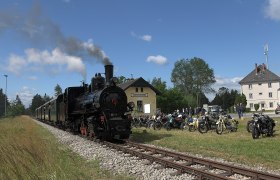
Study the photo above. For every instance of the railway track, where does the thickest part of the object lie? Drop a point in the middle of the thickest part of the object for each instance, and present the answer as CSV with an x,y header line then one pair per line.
x,y
199,167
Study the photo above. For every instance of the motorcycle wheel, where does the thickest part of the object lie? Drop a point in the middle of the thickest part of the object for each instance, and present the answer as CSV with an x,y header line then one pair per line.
x,y
167,126
151,124
191,128
250,126
219,128
270,130
202,128
157,126
255,133
183,126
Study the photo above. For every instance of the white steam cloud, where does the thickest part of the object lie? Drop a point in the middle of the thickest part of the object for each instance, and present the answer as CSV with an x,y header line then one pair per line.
x,y
36,59
33,27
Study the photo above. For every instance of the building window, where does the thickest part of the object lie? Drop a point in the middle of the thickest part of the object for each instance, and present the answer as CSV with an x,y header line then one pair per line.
x,y
250,86
260,93
260,84
262,105
136,90
269,84
141,89
271,104
270,94
140,106
250,96
251,105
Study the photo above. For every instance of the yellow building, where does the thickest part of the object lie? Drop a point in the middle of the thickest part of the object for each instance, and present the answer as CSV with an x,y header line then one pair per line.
x,y
143,94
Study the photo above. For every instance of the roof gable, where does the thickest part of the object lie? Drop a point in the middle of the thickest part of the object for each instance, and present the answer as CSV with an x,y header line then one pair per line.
x,y
259,75
139,82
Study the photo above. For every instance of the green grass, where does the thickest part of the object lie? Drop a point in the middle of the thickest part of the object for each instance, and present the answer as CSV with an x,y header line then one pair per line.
x,y
234,146
28,151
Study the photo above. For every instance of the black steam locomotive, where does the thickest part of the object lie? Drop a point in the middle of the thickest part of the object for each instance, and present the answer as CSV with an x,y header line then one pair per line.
x,y
99,110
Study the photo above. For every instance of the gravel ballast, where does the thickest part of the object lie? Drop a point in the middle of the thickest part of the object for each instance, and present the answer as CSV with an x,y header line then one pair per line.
x,y
120,163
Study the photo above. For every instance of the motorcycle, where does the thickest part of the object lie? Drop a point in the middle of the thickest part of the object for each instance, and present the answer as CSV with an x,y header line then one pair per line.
x,y
192,123
226,122
263,125
250,123
207,123
173,122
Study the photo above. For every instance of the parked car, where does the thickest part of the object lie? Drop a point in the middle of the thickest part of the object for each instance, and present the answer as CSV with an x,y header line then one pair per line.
x,y
277,110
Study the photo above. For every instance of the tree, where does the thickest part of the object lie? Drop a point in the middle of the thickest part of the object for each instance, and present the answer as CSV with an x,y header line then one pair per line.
x,y
241,98
256,106
36,102
121,79
225,98
57,90
193,77
16,108
3,98
46,98
159,84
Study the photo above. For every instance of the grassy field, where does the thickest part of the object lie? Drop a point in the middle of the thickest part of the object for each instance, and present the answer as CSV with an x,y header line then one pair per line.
x,y
28,151
233,146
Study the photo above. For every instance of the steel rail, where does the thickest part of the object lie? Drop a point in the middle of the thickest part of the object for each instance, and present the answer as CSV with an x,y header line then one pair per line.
x,y
230,169
181,168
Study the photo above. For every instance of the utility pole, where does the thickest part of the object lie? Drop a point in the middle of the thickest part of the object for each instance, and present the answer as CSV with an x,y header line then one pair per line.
x,y
6,98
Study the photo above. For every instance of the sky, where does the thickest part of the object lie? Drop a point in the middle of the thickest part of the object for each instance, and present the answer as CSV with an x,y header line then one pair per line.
x,y
49,42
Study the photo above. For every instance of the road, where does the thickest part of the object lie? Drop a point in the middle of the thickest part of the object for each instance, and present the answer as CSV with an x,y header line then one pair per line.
x,y
247,115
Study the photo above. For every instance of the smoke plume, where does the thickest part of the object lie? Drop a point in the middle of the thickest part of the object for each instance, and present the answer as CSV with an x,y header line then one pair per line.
x,y
41,31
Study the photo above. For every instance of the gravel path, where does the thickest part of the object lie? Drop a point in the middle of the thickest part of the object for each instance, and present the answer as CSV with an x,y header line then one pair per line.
x,y
120,163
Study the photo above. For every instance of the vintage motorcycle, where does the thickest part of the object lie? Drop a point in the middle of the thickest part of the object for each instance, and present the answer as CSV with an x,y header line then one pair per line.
x,y
226,122
173,122
250,123
208,122
263,125
191,123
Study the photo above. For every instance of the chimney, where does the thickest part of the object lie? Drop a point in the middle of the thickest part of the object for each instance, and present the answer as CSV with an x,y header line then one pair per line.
x,y
109,72
256,68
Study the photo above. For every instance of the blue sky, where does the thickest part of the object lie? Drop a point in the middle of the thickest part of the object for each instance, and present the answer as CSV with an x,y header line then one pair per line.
x,y
44,43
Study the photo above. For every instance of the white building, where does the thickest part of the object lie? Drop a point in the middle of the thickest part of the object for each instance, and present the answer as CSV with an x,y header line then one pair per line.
x,y
262,87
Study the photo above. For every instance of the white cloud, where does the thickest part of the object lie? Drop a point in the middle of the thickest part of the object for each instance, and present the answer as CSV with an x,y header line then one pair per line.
x,y
161,60
230,83
26,94
54,60
16,64
272,9
145,37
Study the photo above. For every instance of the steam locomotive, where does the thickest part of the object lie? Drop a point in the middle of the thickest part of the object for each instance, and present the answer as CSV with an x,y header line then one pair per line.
x,y
99,110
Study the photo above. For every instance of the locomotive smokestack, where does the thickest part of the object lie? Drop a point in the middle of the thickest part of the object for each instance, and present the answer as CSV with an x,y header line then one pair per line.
x,y
109,72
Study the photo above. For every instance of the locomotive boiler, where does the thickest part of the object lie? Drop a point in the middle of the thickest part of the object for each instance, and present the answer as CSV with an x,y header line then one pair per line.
x,y
99,110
